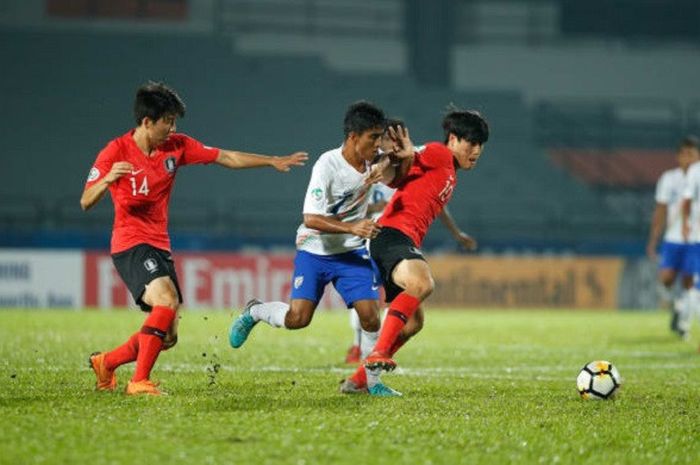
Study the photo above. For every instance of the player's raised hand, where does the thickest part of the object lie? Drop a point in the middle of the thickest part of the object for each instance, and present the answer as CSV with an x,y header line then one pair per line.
x,y
118,170
403,146
466,241
284,164
367,229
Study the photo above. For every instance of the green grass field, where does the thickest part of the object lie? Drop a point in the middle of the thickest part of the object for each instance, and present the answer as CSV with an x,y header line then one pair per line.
x,y
479,387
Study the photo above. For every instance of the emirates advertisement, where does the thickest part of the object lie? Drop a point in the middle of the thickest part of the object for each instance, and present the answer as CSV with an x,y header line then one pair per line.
x,y
207,280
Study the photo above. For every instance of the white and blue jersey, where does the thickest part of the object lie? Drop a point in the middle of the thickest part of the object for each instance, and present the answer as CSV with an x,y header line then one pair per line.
x,y
338,190
691,191
379,193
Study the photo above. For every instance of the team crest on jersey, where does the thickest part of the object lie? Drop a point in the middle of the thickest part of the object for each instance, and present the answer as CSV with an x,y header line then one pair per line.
x,y
298,281
151,265
316,194
170,165
94,174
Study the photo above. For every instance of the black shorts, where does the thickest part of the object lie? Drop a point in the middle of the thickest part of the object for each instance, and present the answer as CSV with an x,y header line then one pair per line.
x,y
390,247
140,265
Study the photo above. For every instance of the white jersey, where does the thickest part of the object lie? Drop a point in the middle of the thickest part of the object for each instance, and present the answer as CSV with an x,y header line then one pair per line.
x,y
691,190
335,189
377,194
669,191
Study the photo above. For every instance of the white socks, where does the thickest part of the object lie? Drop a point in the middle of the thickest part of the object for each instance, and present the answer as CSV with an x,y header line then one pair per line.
x,y
272,313
368,341
355,325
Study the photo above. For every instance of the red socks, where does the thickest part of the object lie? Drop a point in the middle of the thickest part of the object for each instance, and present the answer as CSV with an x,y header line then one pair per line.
x,y
400,310
390,340
360,375
150,340
125,353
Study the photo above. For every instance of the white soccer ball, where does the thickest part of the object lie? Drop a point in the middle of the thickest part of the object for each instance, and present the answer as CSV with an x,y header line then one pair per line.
x,y
598,380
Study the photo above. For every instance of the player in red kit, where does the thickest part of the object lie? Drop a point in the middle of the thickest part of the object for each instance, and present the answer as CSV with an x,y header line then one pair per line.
x,y
139,169
425,182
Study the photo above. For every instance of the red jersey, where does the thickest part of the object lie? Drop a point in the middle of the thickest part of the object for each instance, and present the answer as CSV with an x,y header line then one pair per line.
x,y
423,193
141,198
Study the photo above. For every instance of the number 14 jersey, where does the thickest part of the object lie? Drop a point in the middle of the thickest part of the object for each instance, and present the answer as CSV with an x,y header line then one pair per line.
x,y
141,197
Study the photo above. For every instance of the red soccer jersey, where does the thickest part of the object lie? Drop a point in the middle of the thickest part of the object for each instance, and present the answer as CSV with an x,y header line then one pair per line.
x,y
141,198
423,193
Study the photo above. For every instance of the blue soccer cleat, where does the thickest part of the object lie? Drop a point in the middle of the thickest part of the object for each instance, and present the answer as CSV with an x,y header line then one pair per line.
x,y
380,390
242,326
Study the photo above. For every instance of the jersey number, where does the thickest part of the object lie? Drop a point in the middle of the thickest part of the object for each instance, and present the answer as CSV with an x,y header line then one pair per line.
x,y
141,190
447,190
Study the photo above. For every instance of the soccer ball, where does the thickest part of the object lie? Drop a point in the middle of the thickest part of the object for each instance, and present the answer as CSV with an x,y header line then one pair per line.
x,y
598,380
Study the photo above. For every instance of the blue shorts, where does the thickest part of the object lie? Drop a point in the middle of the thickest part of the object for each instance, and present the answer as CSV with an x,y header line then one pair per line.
x,y
694,262
352,274
678,257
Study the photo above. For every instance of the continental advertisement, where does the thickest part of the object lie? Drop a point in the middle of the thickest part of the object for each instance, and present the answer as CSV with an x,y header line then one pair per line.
x,y
519,282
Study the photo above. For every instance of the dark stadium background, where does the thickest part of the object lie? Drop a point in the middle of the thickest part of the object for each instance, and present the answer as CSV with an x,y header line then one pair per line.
x,y
586,101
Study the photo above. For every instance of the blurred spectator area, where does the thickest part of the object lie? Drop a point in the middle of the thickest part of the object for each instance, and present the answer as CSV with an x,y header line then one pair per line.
x,y
623,144
122,9
583,120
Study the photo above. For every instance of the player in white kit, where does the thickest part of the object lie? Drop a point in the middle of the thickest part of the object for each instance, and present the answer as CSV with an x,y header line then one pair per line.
x,y
331,241
675,257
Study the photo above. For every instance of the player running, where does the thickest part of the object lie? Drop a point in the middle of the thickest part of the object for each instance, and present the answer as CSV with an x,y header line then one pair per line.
x,y
379,197
139,169
425,182
675,255
330,241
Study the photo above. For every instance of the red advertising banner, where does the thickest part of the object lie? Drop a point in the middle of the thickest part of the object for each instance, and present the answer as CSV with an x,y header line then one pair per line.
x,y
207,280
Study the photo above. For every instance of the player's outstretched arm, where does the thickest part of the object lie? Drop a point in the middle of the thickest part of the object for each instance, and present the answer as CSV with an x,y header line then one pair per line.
x,y
239,160
686,206
94,193
366,228
464,239
658,223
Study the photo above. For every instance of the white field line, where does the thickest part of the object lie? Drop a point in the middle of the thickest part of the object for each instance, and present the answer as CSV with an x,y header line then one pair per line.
x,y
517,373
523,372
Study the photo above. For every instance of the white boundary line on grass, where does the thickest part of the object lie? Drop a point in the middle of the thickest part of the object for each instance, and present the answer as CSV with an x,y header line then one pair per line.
x,y
542,373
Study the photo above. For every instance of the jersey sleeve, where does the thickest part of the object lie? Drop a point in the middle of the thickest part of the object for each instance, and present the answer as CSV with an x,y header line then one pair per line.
x,y
103,164
663,191
318,195
196,153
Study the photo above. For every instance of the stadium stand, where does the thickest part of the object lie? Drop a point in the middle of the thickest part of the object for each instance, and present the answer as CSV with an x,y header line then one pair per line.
x,y
277,104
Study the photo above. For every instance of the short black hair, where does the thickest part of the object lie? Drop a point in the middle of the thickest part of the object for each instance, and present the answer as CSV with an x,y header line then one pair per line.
x,y
155,100
690,141
362,116
394,123
465,124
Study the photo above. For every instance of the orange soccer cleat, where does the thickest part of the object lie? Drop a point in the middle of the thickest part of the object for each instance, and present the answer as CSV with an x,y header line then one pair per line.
x,y
106,379
145,386
380,360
